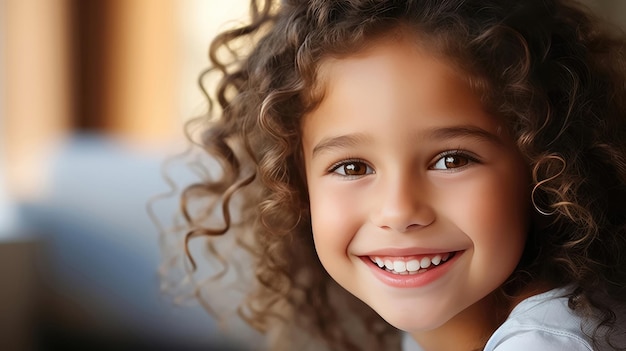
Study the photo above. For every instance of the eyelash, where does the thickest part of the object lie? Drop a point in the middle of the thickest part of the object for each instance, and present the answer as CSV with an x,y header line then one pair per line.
x,y
333,169
471,158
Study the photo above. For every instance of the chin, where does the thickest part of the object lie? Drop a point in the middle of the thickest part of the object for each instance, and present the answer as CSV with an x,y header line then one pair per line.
x,y
409,321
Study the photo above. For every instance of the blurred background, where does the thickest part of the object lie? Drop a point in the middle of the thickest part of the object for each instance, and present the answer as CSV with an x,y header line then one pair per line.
x,y
93,96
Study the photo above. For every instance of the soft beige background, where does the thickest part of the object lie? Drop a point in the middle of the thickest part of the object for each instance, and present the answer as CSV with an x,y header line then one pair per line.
x,y
155,50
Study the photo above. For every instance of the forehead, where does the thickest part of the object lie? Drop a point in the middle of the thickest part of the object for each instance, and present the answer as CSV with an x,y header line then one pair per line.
x,y
399,59
393,80
399,46
403,54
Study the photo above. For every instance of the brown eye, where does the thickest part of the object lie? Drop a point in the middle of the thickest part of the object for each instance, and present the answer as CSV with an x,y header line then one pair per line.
x,y
353,169
452,161
455,161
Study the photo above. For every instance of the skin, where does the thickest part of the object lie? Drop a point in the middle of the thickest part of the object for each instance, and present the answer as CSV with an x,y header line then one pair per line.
x,y
401,156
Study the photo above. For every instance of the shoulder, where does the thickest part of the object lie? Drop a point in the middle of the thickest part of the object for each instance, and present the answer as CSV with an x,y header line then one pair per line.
x,y
543,322
538,339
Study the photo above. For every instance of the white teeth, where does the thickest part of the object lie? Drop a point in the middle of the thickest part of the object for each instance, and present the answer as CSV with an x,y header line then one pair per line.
x,y
425,262
399,266
436,260
413,265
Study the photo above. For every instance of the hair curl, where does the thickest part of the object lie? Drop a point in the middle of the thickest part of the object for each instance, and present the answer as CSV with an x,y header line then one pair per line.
x,y
547,67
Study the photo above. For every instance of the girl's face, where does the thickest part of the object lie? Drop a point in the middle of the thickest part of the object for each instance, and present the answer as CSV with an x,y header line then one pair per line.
x,y
406,170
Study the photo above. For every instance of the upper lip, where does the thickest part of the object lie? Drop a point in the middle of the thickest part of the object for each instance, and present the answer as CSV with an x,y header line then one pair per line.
x,y
409,251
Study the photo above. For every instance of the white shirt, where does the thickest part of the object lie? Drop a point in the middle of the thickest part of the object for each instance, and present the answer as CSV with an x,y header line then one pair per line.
x,y
543,322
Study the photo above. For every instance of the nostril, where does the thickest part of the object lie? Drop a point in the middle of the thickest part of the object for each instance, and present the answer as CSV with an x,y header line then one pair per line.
x,y
401,229
412,226
402,216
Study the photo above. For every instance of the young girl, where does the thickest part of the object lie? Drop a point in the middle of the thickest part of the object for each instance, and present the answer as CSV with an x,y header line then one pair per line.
x,y
454,169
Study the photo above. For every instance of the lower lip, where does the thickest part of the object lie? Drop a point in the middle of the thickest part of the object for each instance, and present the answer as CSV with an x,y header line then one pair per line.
x,y
411,280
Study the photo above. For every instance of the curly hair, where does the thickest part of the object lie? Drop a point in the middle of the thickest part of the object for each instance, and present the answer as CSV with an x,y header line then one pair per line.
x,y
548,68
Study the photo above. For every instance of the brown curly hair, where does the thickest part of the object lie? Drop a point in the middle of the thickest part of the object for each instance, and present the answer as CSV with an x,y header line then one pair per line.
x,y
549,68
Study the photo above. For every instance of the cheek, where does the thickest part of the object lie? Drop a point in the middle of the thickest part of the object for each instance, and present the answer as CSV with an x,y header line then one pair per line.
x,y
498,218
490,206
334,221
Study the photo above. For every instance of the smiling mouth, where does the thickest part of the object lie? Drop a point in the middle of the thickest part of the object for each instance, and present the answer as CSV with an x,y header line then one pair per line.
x,y
411,264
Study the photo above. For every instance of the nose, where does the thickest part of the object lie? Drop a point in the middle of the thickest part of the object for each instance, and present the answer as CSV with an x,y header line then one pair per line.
x,y
403,205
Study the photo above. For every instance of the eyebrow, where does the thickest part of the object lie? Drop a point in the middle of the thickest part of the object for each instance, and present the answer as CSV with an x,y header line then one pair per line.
x,y
463,132
351,140
340,142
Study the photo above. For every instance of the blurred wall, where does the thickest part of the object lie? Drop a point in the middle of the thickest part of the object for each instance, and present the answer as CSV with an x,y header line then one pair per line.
x,y
36,85
612,10
113,70
120,67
